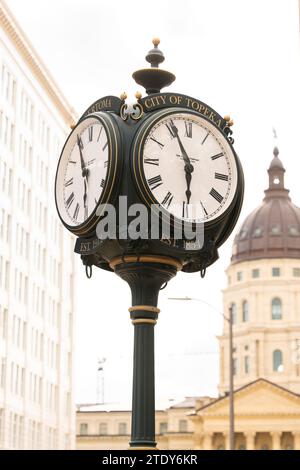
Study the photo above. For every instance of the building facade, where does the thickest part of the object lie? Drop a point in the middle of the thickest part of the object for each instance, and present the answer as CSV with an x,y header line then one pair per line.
x,y
264,294
36,262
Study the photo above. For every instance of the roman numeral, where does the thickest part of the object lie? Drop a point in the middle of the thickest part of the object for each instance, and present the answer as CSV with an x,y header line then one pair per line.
x,y
216,195
188,129
102,183
79,142
218,155
72,161
151,161
159,143
76,212
167,199
99,133
90,133
155,182
172,129
220,176
105,145
105,163
205,138
184,210
70,200
69,182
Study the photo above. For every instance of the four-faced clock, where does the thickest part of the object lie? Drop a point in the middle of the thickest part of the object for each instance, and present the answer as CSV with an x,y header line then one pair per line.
x,y
86,173
184,163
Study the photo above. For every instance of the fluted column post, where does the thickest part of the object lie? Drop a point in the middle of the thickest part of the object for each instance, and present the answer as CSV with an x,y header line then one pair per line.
x,y
145,276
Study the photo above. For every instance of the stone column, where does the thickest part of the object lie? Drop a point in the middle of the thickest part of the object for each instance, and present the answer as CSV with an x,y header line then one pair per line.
x,y
296,440
227,441
250,440
207,441
276,444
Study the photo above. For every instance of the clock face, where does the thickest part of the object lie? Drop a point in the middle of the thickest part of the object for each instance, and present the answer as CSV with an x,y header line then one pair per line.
x,y
188,167
82,172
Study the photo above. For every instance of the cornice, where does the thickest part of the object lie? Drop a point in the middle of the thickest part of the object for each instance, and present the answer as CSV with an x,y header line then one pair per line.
x,y
35,64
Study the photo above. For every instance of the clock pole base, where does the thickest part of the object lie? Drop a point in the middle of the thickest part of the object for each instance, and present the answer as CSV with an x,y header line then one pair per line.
x,y
145,275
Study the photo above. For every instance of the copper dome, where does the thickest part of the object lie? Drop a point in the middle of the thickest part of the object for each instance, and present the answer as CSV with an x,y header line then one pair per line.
x,y
273,229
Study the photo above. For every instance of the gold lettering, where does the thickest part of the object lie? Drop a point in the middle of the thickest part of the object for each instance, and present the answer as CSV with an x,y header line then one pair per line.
x,y
147,104
195,105
163,98
85,246
173,99
212,116
188,102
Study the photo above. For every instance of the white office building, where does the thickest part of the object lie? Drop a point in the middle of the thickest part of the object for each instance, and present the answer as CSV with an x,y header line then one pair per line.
x,y
36,253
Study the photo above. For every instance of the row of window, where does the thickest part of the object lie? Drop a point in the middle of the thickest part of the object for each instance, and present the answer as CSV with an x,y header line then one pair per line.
x,y
276,310
9,89
275,271
277,363
124,430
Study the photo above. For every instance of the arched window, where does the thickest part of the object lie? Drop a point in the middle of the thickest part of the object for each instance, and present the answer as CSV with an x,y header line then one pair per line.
x,y
276,309
277,360
233,312
245,311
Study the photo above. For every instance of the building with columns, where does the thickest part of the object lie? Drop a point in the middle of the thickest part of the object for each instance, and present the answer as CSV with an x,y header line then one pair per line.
x,y
264,293
37,408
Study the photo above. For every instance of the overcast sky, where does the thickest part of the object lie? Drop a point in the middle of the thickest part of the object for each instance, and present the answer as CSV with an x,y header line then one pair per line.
x,y
241,58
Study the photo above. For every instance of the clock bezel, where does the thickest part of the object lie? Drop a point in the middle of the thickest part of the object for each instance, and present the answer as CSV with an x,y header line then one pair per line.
x,y
113,169
138,167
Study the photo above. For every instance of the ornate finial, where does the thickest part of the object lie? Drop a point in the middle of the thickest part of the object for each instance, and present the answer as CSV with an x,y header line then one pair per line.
x,y
155,55
154,79
138,95
123,96
227,118
274,133
275,152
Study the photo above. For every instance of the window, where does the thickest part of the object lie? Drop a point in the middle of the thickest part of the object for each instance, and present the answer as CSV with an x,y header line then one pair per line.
x,y
235,366
255,273
257,232
277,360
296,272
247,364
275,272
245,311
103,429
122,429
239,276
83,429
182,425
276,309
233,313
163,428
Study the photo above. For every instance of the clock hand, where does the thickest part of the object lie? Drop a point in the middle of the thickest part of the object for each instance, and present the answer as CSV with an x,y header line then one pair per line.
x,y
188,177
85,199
79,143
182,149
188,167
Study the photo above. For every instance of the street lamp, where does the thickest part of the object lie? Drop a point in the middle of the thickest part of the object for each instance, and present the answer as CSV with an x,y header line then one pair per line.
x,y
229,319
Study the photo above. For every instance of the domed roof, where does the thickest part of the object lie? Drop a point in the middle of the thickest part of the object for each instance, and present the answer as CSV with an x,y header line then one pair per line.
x,y
273,229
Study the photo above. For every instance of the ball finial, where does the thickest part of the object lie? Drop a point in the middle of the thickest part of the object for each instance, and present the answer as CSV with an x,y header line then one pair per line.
x,y
138,95
155,42
227,117
123,95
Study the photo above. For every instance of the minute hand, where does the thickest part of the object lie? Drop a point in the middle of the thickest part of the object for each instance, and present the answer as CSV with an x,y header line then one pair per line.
x,y
184,154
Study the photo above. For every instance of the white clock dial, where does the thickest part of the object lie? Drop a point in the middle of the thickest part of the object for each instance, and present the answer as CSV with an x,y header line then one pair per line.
x,y
82,172
189,167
